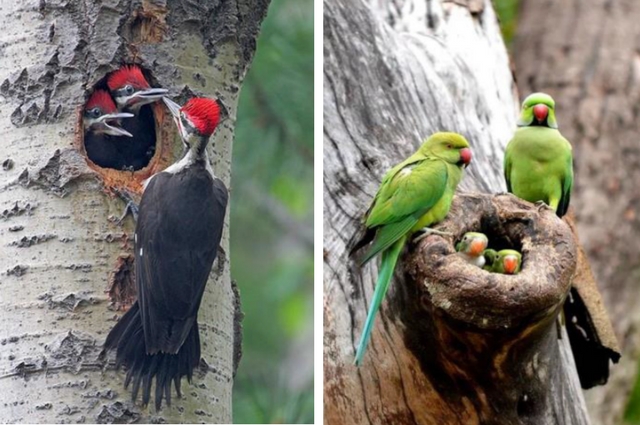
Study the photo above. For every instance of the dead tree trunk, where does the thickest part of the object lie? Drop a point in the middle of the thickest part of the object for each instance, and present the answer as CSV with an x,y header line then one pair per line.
x,y
450,345
585,54
65,267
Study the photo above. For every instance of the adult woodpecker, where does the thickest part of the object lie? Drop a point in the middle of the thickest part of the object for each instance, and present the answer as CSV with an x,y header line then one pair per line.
x,y
100,120
133,93
178,233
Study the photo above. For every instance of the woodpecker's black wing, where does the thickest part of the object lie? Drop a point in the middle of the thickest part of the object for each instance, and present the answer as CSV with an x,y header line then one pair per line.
x,y
177,237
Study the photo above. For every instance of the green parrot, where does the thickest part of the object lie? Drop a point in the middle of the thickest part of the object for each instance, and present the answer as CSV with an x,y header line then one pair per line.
x,y
490,257
471,248
413,195
538,162
507,261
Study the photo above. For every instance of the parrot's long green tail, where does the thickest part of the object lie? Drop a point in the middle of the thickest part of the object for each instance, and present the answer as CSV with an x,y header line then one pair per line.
x,y
387,265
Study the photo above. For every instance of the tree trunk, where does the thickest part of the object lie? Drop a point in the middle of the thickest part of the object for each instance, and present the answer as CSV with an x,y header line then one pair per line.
x,y
66,268
395,72
585,55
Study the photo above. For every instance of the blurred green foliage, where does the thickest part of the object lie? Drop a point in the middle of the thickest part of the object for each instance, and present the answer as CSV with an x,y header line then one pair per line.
x,y
272,221
632,413
507,11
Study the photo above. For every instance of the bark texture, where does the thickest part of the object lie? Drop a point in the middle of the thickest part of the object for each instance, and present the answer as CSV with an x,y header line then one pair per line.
x,y
65,267
585,55
394,73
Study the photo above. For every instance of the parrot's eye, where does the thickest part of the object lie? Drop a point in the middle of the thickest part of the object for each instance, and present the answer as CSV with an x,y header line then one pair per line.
x,y
449,146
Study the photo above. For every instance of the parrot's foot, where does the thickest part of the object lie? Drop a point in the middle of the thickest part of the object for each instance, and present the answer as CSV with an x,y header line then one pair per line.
x,y
541,205
426,231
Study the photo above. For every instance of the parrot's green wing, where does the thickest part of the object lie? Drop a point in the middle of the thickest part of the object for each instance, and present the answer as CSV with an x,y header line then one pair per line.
x,y
412,191
403,199
567,184
367,233
388,177
507,168
387,235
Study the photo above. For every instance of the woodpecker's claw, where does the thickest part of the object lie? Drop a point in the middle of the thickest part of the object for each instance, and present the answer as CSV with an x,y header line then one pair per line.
x,y
426,231
131,207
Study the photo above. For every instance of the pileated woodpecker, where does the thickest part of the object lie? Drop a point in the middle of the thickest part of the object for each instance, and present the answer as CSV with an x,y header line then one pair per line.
x,y
100,120
178,233
132,93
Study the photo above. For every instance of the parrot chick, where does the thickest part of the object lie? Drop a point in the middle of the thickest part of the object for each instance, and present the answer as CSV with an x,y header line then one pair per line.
x,y
490,257
471,248
507,261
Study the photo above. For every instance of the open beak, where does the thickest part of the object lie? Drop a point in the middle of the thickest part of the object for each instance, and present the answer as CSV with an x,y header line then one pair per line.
x,y
103,124
144,97
510,264
174,108
477,247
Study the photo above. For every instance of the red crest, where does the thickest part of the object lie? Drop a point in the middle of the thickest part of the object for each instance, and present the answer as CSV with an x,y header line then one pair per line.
x,y
101,99
128,74
204,114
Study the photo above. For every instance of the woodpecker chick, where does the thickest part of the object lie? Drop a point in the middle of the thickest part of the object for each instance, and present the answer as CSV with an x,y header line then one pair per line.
x,y
133,93
101,116
101,127
178,232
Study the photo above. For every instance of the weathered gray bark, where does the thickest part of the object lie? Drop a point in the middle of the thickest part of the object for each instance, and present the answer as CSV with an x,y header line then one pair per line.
x,y
59,249
395,72
585,54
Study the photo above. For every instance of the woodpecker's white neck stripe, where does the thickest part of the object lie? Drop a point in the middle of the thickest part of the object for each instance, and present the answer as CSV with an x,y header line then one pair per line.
x,y
187,160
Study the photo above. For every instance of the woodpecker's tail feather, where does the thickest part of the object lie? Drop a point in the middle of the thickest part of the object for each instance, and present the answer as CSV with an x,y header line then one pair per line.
x,y
127,337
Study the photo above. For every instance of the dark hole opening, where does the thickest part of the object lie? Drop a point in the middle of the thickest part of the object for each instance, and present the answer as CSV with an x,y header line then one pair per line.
x,y
119,121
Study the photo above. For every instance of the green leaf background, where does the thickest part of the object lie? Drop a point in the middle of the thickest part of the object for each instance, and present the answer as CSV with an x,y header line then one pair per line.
x,y
272,221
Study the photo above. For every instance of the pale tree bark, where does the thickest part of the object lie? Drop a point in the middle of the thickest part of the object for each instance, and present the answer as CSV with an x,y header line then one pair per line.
x,y
395,72
60,251
585,55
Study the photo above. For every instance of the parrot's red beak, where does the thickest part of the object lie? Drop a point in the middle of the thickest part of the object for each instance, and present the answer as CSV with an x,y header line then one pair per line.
x,y
540,111
477,247
510,264
465,156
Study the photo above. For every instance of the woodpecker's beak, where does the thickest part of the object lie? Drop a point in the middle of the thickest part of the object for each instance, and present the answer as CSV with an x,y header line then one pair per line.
x,y
144,97
102,124
174,108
